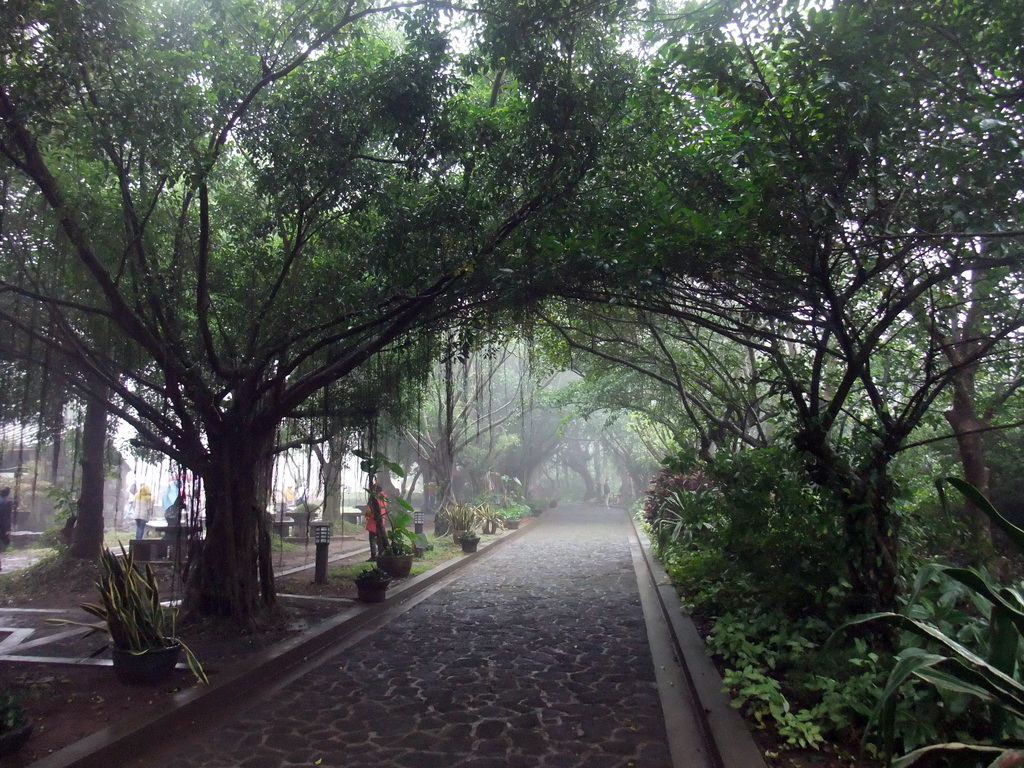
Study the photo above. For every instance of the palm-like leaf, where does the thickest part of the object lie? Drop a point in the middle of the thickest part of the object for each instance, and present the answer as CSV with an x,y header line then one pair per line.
x,y
955,667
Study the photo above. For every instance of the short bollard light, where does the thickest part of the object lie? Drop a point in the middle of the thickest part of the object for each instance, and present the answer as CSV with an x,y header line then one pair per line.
x,y
322,539
321,533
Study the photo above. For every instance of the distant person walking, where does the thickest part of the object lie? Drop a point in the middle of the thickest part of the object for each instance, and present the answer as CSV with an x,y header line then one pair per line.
x,y
607,492
6,519
143,503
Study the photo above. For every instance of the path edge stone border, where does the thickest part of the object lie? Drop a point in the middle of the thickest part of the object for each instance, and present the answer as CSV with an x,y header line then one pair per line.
x,y
726,732
136,736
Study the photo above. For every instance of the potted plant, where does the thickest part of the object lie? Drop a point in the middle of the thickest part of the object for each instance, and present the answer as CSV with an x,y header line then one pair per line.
x,y
537,506
469,541
372,584
15,726
512,516
489,518
393,539
397,557
462,517
144,644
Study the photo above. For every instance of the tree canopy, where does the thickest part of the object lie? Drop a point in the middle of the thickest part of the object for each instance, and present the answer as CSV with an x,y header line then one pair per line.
x,y
224,214
225,208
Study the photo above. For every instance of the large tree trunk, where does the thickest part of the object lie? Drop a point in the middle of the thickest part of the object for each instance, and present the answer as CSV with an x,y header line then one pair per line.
x,y
87,534
870,527
232,574
968,427
870,523
963,348
634,479
579,462
331,467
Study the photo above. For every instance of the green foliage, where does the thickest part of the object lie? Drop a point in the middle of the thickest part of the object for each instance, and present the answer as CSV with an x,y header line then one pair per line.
x,y
371,464
397,539
63,499
460,515
779,671
764,700
963,653
400,541
372,575
750,523
261,204
489,517
515,512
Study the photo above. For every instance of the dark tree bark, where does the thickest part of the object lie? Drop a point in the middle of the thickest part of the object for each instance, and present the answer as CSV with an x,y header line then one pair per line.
x,y
870,523
579,462
87,533
232,574
332,467
969,427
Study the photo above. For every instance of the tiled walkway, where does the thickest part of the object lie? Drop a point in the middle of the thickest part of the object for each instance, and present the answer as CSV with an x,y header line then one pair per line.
x,y
536,655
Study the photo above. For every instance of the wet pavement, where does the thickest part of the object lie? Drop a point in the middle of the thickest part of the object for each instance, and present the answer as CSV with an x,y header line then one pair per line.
x,y
536,654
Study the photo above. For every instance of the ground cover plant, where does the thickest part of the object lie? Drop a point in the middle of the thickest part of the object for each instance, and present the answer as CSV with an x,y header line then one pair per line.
x,y
771,618
966,645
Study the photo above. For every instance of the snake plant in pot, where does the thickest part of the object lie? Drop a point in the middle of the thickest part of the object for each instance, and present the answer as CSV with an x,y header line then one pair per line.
x,y
461,517
144,642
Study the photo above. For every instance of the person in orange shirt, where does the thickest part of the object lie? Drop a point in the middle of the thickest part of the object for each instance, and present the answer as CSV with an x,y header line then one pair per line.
x,y
376,508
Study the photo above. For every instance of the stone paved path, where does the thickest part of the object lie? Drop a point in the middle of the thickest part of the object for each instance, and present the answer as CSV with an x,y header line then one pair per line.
x,y
534,656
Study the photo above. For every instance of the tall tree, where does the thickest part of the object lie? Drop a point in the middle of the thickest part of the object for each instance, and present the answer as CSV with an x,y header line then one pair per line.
x,y
260,198
465,404
817,175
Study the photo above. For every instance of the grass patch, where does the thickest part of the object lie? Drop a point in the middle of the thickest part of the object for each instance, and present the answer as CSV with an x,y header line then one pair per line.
x,y
444,550
54,573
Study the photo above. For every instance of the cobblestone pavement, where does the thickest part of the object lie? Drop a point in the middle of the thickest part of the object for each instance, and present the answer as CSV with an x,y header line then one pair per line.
x,y
534,656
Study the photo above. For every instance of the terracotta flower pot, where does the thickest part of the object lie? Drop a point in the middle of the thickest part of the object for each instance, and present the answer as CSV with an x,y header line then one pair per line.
x,y
372,591
397,566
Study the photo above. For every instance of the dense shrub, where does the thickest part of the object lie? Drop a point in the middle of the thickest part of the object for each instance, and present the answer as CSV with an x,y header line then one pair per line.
x,y
783,662
746,528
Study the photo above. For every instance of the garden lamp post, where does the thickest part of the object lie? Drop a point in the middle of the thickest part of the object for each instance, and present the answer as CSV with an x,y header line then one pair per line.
x,y
322,539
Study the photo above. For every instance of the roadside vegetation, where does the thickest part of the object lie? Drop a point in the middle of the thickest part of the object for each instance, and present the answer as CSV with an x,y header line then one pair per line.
x,y
755,554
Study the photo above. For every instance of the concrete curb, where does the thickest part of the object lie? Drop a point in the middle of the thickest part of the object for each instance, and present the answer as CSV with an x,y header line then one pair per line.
x,y
724,730
137,736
